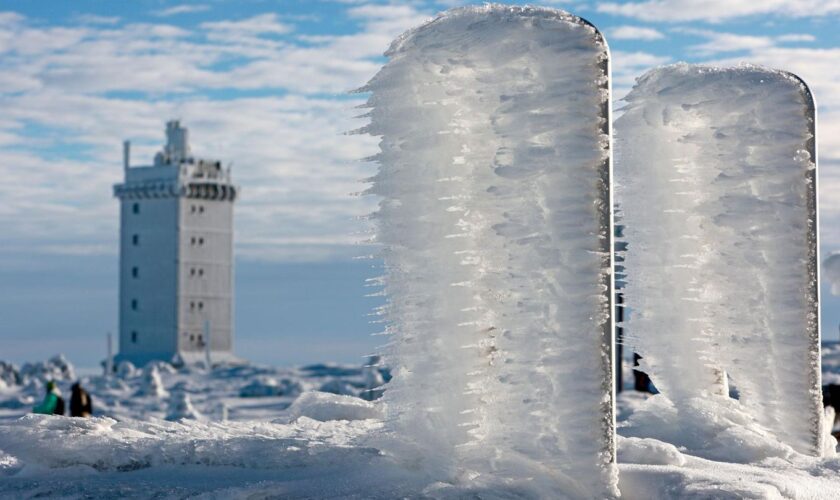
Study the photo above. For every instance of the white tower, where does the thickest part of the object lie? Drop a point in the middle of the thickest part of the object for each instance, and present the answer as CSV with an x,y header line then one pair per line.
x,y
176,256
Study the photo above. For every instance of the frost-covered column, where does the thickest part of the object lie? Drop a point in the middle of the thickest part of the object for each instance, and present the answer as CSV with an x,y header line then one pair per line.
x,y
496,227
717,180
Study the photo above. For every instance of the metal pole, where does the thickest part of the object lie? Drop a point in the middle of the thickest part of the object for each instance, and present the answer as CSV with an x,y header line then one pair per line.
x,y
207,344
619,342
109,361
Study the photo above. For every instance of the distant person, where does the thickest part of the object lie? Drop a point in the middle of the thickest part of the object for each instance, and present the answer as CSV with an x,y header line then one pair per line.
x,y
53,403
80,402
641,381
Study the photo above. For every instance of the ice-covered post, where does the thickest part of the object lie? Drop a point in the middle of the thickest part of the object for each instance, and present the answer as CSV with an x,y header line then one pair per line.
x,y
717,182
496,225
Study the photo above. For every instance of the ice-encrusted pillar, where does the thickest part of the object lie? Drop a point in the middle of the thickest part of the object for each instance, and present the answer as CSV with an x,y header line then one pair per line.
x,y
717,181
495,219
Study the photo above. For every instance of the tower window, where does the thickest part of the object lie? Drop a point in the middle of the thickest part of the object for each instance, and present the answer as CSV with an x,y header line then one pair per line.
x,y
135,272
133,304
135,239
192,271
200,306
201,209
135,208
192,240
192,306
134,337
201,241
201,272
192,208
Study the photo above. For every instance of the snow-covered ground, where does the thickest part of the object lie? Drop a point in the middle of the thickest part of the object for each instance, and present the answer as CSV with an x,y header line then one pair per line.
x,y
159,391
284,438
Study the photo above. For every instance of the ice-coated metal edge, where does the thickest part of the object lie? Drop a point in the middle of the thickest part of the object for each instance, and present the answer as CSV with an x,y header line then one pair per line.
x,y
813,322
607,221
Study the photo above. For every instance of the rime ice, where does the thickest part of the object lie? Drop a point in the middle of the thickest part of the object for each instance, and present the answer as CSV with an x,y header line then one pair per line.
x,y
716,183
495,219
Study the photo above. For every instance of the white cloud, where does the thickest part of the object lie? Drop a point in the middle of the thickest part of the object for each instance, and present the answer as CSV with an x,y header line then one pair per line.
x,y
10,18
718,10
796,37
719,42
263,24
181,9
290,155
726,42
60,132
94,19
635,33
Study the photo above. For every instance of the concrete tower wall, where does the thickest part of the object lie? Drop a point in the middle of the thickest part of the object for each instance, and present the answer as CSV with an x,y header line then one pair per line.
x,y
176,256
148,278
206,274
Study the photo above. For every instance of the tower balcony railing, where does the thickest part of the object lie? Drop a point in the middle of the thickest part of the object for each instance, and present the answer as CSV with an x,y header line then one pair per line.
x,y
204,189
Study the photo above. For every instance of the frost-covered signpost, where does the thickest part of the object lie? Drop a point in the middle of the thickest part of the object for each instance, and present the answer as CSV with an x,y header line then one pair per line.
x,y
718,189
496,226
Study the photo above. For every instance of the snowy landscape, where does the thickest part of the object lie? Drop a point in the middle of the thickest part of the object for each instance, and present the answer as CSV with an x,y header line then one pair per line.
x,y
285,437
533,238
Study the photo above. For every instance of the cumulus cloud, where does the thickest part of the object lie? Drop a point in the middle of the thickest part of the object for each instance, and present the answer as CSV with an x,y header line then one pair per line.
x,y
721,42
94,19
796,37
257,25
71,94
717,10
635,33
181,9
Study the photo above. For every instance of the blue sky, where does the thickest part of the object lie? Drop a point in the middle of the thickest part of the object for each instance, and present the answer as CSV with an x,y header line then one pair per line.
x,y
264,85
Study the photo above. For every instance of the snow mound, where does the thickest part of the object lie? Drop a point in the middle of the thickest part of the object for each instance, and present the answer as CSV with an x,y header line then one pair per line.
x,y
323,406
648,451
161,366
152,383
51,456
340,387
126,370
56,368
715,428
105,444
9,374
181,408
270,386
